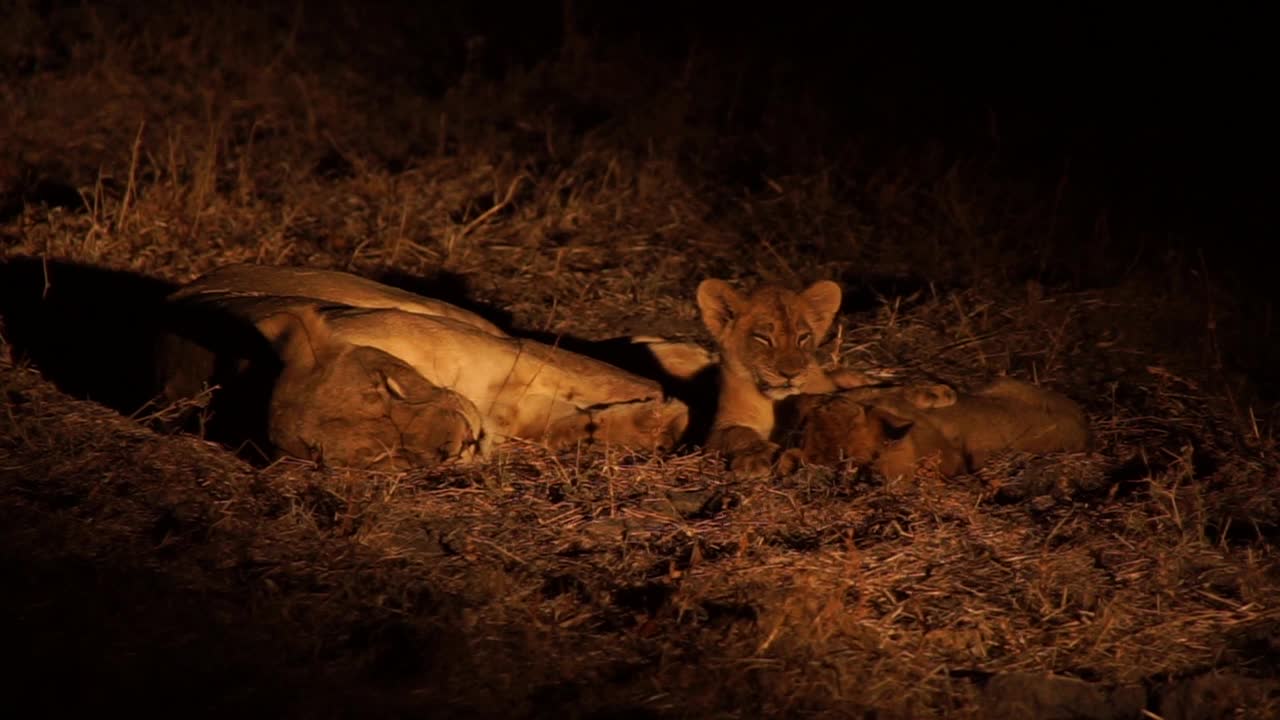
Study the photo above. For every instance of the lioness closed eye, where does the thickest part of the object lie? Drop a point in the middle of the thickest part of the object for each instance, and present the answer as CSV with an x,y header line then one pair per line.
x,y
767,341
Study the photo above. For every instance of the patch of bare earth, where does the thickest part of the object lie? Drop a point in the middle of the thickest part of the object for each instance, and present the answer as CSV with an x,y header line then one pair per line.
x,y
148,569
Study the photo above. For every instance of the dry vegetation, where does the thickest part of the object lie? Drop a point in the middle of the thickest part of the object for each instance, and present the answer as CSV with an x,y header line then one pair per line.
x,y
149,569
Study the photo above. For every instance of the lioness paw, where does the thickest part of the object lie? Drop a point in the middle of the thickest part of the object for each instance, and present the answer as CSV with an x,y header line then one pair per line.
x,y
654,426
438,431
450,437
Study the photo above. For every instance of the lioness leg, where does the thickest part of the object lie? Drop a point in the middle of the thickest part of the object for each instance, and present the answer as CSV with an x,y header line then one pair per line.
x,y
655,424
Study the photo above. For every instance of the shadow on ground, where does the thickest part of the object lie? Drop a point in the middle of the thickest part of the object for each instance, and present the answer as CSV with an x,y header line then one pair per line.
x,y
88,329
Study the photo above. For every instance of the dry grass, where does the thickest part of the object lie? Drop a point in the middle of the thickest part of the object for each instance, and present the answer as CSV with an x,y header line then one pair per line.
x,y
154,568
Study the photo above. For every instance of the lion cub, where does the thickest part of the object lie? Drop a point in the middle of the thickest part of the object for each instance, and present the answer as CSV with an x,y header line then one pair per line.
x,y
766,342
893,429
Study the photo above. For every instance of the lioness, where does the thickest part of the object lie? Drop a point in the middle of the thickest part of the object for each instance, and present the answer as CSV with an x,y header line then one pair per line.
x,y
389,379
892,429
766,342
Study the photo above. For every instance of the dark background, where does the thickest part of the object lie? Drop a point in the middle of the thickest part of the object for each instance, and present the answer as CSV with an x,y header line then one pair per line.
x,y
1160,118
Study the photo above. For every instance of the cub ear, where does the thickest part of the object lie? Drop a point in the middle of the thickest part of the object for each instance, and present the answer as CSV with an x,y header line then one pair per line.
x,y
719,304
895,427
823,297
296,335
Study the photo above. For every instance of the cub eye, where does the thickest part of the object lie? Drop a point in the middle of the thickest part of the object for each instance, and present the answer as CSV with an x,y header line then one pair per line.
x,y
803,338
762,339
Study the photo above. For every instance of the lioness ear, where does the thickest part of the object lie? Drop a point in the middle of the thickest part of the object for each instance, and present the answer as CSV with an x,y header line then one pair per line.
x,y
823,297
296,335
895,427
719,304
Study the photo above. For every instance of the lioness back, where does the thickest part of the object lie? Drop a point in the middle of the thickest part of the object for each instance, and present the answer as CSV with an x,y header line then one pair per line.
x,y
325,285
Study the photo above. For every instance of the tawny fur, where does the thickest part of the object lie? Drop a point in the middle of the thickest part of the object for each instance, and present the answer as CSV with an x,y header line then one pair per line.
x,y
358,406
331,286
766,342
472,383
893,429
841,428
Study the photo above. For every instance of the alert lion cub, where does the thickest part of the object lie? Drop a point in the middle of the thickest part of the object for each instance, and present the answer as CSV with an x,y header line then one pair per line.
x,y
370,376
766,341
893,429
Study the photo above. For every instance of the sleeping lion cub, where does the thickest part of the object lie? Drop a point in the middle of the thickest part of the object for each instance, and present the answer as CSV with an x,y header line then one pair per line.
x,y
366,375
893,429
766,342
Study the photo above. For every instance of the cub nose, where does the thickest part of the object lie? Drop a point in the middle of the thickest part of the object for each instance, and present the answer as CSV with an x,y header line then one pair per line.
x,y
791,368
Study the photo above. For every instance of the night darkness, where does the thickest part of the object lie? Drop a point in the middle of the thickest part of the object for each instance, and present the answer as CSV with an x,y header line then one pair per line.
x,y
1077,198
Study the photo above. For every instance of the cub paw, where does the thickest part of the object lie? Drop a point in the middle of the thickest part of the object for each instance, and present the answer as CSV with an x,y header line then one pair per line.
x,y
754,461
790,461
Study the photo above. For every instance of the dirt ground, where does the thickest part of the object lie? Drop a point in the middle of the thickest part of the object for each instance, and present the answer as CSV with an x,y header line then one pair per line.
x,y
148,569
